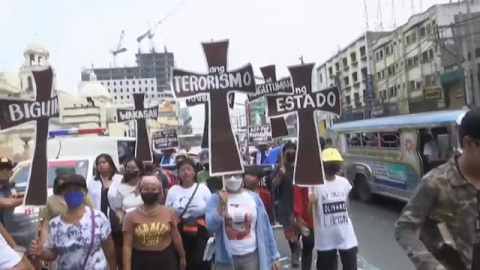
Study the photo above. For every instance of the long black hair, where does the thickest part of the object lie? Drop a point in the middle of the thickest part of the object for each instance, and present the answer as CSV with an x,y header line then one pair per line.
x,y
141,168
110,162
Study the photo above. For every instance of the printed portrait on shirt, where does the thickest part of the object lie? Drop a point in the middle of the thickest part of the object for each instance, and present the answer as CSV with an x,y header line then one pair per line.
x,y
238,223
150,234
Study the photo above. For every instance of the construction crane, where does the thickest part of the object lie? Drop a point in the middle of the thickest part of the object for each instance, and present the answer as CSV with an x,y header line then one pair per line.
x,y
118,50
151,30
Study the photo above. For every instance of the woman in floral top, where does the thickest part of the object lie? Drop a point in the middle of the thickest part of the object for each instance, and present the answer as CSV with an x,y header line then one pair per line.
x,y
70,235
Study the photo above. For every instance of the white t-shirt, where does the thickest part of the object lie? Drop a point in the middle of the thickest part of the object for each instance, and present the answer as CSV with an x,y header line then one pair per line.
x,y
240,224
72,241
9,257
333,226
178,197
127,199
431,149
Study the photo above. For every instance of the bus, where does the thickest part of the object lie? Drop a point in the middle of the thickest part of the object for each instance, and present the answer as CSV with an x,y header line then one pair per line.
x,y
388,156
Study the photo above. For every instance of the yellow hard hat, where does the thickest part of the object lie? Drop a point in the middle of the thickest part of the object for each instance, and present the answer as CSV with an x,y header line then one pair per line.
x,y
331,154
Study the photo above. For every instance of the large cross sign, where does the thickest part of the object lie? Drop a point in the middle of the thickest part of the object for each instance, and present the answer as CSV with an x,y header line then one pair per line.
x,y
217,84
16,112
308,163
203,100
140,114
272,87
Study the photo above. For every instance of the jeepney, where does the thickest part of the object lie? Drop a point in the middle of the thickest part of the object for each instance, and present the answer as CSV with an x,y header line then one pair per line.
x,y
385,156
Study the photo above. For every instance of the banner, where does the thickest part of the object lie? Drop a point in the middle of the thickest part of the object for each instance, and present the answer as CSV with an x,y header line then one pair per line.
x,y
260,134
165,139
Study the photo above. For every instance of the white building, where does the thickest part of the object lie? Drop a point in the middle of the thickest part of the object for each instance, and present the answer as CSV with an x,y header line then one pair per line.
x,y
348,69
121,91
407,63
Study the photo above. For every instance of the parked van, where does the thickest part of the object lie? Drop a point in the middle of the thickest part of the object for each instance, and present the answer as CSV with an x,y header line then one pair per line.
x,y
388,156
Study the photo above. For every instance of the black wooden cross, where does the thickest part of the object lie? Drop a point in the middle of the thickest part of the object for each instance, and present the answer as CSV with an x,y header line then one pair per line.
x,y
217,84
272,87
140,114
308,163
203,100
16,112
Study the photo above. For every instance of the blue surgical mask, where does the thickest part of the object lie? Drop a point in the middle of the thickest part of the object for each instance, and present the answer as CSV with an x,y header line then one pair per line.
x,y
74,198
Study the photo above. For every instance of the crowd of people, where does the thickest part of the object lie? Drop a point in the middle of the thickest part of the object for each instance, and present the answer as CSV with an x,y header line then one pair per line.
x,y
148,217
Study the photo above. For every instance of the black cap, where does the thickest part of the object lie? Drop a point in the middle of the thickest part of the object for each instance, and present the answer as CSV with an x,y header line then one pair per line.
x,y
470,125
5,162
289,145
73,180
255,170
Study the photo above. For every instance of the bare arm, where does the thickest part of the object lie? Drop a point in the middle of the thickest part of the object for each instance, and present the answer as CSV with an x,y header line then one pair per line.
x,y
109,250
10,202
127,250
43,231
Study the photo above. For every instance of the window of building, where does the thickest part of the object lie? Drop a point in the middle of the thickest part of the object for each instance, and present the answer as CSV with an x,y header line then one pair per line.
x,y
418,85
114,83
364,73
412,61
353,57
355,76
430,80
146,81
391,70
320,79
363,52
330,71
477,53
423,31
379,55
126,82
383,94
108,83
356,97
121,97
133,82
429,29
381,75
151,81
389,50
337,67
393,91
346,80
345,62
427,55
153,88
120,82
412,38
348,100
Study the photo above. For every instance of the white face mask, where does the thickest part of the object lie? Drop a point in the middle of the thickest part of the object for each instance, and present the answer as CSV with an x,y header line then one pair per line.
x,y
233,183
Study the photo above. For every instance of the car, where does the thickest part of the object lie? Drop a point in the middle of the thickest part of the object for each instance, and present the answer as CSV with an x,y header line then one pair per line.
x,y
24,222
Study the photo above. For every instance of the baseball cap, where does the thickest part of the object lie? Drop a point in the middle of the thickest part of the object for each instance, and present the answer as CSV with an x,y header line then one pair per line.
x,y
5,162
470,125
73,180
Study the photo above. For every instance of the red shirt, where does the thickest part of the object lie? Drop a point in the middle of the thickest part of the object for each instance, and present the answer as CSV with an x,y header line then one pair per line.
x,y
267,201
300,204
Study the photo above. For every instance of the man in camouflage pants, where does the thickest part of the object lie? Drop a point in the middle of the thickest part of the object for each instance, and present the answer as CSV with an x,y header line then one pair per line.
x,y
444,208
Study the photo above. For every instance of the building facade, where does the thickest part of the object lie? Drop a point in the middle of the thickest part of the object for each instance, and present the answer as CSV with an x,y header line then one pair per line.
x,y
152,71
122,90
409,62
348,69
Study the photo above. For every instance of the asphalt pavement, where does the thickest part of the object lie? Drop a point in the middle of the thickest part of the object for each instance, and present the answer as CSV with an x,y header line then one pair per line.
x,y
374,227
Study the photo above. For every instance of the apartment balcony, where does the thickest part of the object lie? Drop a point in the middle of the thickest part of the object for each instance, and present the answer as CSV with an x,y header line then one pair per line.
x,y
355,64
363,57
356,84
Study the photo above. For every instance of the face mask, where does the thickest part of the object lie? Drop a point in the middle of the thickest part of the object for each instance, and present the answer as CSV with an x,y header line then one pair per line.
x,y
74,198
150,198
290,157
330,168
129,175
233,183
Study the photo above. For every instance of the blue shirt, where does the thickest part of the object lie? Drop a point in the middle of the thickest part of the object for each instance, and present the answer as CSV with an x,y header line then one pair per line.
x,y
4,212
266,244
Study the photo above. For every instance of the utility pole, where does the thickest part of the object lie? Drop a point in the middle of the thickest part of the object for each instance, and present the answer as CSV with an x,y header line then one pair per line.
x,y
473,69
458,54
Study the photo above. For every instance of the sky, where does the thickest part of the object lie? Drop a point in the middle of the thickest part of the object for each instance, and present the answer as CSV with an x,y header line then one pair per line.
x,y
262,32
